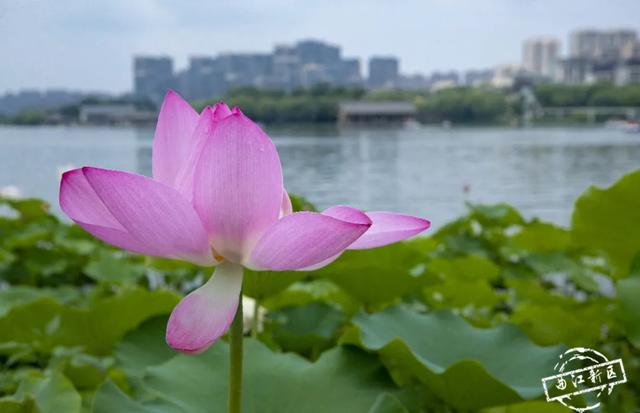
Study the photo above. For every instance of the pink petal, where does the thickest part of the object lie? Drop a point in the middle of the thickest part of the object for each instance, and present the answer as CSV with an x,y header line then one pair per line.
x,y
173,140
135,213
341,212
304,239
389,227
237,185
221,110
81,203
206,313
204,128
347,213
202,132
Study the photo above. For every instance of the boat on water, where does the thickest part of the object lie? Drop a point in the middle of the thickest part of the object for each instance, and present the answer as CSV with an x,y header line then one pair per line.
x,y
632,126
629,126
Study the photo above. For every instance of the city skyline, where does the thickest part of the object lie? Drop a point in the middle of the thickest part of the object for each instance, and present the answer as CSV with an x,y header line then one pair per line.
x,y
463,36
302,64
593,56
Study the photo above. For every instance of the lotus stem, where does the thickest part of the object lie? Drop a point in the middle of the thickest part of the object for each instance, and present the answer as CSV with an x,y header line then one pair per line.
x,y
235,360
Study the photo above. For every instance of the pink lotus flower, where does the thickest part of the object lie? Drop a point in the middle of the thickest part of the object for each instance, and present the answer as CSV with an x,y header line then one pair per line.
x,y
217,198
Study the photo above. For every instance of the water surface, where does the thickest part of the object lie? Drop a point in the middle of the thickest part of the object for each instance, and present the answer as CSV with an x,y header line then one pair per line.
x,y
425,171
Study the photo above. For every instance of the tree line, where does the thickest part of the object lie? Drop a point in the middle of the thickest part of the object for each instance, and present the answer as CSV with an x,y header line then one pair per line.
x,y
462,105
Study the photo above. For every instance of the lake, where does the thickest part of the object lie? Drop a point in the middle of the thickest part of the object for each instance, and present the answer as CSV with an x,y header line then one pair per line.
x,y
425,171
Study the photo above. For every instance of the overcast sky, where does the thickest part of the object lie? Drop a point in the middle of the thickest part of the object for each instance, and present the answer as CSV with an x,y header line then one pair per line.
x,y
88,44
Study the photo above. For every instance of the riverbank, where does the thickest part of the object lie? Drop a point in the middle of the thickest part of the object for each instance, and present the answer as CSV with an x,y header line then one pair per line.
x,y
461,105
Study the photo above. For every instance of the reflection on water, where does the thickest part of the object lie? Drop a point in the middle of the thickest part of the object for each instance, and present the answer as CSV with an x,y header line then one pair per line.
x,y
422,171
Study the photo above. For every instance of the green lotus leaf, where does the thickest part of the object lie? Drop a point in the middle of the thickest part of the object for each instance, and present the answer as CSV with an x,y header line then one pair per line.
x,y
343,380
381,275
629,303
12,405
20,295
540,236
114,267
50,392
305,292
467,367
500,214
143,347
46,324
609,220
530,407
570,323
264,284
387,403
307,329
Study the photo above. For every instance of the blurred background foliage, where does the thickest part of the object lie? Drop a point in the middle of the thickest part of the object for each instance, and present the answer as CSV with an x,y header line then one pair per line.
x,y
468,319
464,105
319,104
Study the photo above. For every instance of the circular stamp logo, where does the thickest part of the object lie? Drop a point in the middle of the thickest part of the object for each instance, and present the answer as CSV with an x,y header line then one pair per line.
x,y
582,376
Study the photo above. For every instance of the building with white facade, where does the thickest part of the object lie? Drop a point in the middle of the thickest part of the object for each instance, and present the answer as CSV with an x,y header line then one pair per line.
x,y
540,56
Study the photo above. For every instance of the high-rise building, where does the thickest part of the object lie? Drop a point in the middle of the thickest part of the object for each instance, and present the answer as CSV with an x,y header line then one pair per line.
x,y
631,50
596,44
322,62
286,68
540,56
204,79
615,42
309,62
577,70
317,52
383,72
300,65
313,74
415,81
346,72
152,77
628,72
601,56
584,44
245,69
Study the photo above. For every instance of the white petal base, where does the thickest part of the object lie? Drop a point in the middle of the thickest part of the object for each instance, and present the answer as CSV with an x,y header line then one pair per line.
x,y
205,314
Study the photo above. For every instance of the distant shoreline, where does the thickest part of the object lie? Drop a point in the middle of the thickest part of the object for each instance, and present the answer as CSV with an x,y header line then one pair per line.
x,y
541,104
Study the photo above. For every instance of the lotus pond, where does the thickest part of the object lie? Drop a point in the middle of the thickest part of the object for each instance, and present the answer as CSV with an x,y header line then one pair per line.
x,y
467,319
